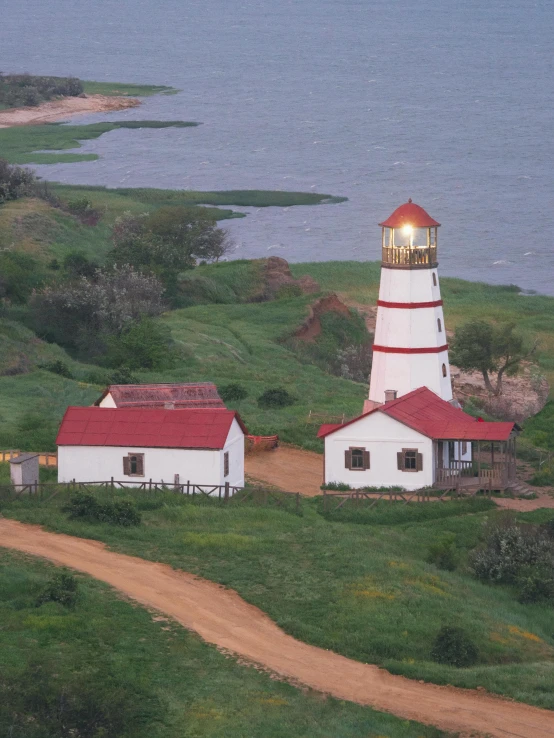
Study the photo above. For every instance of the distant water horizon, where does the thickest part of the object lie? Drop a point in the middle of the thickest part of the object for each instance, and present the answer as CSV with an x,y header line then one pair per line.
x,y
376,101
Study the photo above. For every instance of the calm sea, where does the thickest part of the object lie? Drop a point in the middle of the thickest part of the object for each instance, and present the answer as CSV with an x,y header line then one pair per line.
x,y
446,102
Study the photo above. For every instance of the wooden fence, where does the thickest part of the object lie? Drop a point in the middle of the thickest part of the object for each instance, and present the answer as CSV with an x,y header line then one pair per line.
x,y
226,493
333,501
45,458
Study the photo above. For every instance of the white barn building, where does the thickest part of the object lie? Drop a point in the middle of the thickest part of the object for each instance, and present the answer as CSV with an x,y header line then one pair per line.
x,y
135,445
416,441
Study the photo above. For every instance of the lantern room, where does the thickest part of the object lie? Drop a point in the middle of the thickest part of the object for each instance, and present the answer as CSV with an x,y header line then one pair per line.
x,y
409,238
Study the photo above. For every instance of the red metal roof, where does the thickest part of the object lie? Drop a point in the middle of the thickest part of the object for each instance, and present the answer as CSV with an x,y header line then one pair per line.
x,y
150,428
409,214
328,428
427,413
184,394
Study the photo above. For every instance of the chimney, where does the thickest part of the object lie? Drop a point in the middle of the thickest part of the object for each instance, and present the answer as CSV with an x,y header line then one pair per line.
x,y
169,406
390,395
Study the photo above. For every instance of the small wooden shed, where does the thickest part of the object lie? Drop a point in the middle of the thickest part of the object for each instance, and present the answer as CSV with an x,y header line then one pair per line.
x,y
24,470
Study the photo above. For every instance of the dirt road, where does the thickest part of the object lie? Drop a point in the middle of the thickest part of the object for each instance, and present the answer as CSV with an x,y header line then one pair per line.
x,y
295,470
222,618
66,107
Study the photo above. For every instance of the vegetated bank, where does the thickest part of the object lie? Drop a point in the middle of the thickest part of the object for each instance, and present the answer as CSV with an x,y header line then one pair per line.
x,y
412,576
119,670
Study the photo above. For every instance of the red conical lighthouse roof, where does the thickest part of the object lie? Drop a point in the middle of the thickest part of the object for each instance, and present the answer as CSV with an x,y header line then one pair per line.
x,y
409,214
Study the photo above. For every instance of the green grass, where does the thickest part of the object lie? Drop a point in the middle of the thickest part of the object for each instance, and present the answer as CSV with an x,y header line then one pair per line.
x,y
117,89
158,198
362,589
24,144
158,678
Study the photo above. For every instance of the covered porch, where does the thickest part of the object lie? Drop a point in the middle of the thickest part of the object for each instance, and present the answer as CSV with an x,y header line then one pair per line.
x,y
490,465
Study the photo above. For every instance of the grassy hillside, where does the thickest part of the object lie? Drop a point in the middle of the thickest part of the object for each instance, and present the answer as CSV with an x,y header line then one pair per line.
x,y
118,670
115,89
383,605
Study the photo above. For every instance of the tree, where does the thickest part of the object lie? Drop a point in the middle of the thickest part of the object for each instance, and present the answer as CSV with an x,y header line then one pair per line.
x,y
191,231
487,348
15,181
83,314
142,345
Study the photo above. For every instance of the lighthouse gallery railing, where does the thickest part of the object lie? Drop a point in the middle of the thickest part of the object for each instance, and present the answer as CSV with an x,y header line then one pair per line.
x,y
409,257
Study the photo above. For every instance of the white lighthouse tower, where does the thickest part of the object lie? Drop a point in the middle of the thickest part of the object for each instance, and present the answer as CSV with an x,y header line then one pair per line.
x,y
410,349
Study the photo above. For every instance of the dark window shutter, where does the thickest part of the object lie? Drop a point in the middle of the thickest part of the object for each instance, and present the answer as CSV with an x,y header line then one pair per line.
x,y
400,460
126,465
140,464
226,464
348,459
366,459
420,462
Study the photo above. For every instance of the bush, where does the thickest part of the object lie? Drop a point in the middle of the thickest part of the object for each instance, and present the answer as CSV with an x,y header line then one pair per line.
x,y
62,588
84,506
454,647
79,205
57,367
509,549
535,584
337,486
14,181
443,552
277,397
142,345
232,392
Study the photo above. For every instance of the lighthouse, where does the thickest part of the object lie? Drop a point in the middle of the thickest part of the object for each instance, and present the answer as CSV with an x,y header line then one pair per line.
x,y
410,348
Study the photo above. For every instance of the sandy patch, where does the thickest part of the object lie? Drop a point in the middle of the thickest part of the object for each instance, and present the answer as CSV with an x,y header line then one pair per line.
x,y
63,108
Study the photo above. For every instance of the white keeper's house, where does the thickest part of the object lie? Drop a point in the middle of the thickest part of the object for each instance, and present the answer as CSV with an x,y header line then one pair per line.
x,y
133,444
412,433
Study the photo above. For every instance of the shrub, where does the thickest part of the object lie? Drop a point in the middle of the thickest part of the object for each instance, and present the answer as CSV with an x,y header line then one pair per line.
x,y
79,205
14,181
62,588
454,647
277,397
57,367
84,506
535,584
443,552
338,486
122,375
142,345
232,392
509,549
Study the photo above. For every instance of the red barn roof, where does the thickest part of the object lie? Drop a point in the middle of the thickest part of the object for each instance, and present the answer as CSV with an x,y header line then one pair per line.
x,y
184,394
409,214
427,413
150,428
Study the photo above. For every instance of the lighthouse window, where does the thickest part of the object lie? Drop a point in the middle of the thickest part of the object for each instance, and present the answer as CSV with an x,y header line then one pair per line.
x,y
434,279
439,324
444,370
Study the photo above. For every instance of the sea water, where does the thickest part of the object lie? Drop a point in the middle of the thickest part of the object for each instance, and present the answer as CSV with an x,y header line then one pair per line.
x,y
445,102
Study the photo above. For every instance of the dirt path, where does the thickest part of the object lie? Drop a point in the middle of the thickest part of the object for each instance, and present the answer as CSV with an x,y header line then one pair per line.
x,y
66,107
290,469
222,618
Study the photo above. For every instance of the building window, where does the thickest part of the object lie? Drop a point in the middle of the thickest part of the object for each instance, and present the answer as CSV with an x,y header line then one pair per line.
x,y
410,460
356,459
226,464
439,324
434,279
133,465
444,370
464,448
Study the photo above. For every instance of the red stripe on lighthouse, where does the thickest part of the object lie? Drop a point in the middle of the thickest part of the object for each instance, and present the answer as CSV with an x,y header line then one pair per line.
x,y
397,350
409,305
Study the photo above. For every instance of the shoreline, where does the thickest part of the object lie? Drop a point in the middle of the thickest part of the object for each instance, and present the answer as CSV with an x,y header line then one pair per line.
x,y
55,110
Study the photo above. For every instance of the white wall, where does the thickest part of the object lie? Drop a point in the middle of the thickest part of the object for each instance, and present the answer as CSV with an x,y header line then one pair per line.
x,y
101,463
409,328
383,437
108,401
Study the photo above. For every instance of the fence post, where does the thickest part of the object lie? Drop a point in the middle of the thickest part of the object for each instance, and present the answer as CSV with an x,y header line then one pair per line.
x,y
150,485
111,484
188,487
226,491
325,506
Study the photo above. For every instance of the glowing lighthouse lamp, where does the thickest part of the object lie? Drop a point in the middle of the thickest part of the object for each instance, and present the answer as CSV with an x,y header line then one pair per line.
x,y
410,349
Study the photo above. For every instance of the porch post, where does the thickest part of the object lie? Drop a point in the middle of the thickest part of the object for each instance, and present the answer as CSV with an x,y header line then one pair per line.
x,y
479,461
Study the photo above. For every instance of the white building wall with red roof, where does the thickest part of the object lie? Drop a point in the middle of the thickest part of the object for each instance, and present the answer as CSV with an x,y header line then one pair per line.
x,y
199,466
409,316
383,437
